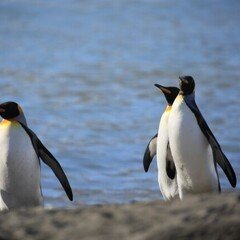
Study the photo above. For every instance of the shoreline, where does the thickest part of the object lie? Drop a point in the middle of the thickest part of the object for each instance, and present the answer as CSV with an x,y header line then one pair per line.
x,y
196,217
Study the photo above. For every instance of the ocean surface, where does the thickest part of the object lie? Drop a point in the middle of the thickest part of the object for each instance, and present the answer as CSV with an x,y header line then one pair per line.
x,y
84,73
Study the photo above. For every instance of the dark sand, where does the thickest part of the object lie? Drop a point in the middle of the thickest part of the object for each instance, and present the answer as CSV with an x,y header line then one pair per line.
x,y
198,217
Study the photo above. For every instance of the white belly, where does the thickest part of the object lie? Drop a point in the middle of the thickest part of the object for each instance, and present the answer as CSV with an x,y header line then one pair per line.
x,y
191,152
168,186
19,168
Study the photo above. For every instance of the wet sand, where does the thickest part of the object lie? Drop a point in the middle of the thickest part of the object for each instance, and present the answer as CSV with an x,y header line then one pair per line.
x,y
198,217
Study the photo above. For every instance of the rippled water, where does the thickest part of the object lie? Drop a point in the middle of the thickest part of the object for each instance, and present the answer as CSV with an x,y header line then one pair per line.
x,y
84,72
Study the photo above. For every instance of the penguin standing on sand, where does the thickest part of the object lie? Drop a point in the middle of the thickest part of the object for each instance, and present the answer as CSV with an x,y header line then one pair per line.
x,y
19,161
194,148
159,145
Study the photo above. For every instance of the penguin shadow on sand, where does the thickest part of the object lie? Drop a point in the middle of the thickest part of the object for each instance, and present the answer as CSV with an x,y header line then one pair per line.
x,y
20,155
186,149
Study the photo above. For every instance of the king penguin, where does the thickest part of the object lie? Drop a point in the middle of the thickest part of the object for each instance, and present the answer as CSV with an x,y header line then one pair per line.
x,y
159,145
195,150
20,152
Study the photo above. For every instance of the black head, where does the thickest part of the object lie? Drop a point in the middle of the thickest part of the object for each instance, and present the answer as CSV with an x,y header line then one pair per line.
x,y
9,110
170,93
187,85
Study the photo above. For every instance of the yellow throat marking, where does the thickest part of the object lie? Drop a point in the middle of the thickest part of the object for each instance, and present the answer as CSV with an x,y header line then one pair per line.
x,y
8,123
168,108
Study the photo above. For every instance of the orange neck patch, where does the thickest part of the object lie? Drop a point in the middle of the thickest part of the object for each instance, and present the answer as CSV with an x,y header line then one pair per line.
x,y
7,123
168,108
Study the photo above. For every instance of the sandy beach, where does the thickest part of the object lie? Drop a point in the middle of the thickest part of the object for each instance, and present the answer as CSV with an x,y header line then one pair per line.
x,y
198,217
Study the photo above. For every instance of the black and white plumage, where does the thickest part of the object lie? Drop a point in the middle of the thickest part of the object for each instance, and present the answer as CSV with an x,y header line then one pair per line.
x,y
20,152
159,145
194,148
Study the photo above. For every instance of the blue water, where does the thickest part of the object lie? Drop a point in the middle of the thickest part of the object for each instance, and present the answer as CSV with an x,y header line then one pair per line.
x,y
84,71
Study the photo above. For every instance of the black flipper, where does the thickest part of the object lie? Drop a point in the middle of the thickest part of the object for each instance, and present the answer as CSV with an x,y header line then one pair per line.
x,y
50,160
218,154
170,166
150,152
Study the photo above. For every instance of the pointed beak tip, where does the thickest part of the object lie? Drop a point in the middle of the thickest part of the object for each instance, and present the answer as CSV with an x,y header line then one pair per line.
x,y
159,86
165,90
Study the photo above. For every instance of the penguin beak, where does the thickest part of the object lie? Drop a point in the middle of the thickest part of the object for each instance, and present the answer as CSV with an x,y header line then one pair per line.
x,y
2,110
163,89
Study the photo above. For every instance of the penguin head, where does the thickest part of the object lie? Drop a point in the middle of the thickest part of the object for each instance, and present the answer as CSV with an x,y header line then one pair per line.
x,y
187,85
9,110
170,93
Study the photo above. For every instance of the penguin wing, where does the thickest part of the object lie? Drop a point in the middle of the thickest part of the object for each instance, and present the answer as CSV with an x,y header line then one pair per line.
x,y
170,166
218,154
49,160
150,152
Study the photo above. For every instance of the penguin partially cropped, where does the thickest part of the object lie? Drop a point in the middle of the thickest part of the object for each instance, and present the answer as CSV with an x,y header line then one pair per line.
x,y
195,150
159,145
19,161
